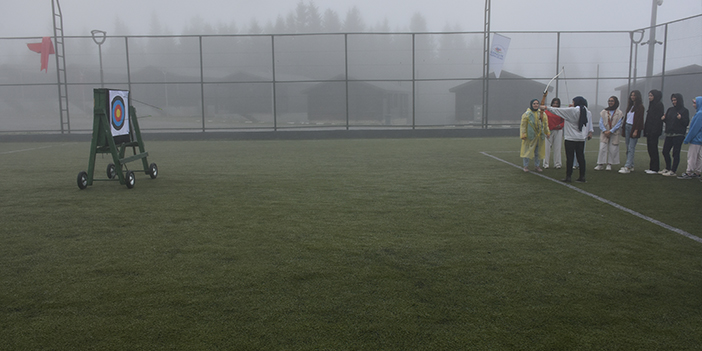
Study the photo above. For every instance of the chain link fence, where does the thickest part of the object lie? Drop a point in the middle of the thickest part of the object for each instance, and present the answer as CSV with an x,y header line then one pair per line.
x,y
340,80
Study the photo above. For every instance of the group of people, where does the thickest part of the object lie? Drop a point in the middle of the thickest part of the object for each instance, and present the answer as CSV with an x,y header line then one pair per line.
x,y
544,127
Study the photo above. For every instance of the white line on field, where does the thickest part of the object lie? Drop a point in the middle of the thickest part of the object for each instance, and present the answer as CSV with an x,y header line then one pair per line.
x,y
24,150
615,205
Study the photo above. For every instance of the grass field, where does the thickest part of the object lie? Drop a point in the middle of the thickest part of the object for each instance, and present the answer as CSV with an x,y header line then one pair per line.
x,y
399,244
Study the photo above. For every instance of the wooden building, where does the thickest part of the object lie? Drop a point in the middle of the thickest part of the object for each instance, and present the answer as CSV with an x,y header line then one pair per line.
x,y
508,98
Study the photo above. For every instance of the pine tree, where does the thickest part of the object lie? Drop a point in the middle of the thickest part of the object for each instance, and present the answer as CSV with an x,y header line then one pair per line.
x,y
331,22
353,21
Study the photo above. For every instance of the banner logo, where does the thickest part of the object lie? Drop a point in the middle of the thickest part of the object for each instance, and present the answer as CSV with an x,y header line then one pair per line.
x,y
498,52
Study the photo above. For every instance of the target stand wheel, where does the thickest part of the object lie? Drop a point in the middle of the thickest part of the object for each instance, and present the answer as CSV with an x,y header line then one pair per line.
x,y
82,180
111,171
153,171
131,179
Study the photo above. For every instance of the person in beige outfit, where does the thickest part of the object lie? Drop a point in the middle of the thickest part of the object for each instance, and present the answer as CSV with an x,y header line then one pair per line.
x,y
610,123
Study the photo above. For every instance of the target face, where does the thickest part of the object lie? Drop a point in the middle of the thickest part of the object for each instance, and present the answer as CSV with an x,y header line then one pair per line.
x,y
119,112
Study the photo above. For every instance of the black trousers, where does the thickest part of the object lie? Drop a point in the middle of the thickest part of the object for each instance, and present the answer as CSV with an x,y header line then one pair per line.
x,y
675,143
652,144
575,149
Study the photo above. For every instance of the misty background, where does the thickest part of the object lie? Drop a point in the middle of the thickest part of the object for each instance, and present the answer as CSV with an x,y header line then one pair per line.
x,y
33,17
300,69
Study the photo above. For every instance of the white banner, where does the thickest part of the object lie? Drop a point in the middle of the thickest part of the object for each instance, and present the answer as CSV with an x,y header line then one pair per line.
x,y
498,52
119,112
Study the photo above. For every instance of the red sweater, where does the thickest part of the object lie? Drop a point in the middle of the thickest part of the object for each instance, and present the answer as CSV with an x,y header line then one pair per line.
x,y
554,122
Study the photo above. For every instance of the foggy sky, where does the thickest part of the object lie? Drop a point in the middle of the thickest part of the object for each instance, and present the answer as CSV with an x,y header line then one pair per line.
x,y
32,18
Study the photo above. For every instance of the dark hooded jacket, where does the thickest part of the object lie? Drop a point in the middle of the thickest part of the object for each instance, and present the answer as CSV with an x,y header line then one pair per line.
x,y
673,125
653,127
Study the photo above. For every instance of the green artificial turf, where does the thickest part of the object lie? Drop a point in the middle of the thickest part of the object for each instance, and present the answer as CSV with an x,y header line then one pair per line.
x,y
400,244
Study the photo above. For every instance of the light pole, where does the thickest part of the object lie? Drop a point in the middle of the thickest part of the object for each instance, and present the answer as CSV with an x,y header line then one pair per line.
x,y
99,38
486,66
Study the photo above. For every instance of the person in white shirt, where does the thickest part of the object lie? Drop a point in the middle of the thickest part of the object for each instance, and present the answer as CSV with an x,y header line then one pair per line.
x,y
632,129
577,129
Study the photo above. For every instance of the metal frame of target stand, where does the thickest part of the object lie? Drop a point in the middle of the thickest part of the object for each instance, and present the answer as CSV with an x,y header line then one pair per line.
x,y
104,143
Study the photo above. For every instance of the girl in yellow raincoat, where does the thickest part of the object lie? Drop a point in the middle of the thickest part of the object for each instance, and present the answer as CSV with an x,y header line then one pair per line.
x,y
533,131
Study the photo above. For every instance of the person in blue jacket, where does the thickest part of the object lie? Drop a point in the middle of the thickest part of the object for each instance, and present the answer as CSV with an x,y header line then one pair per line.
x,y
694,138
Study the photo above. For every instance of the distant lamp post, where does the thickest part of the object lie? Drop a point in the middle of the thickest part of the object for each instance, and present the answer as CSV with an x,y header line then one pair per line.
x,y
99,38
633,35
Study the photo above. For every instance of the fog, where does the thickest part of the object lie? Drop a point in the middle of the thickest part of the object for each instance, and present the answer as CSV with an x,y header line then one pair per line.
x,y
169,75
33,17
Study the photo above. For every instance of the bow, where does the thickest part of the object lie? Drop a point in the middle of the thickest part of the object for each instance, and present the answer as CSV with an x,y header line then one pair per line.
x,y
543,99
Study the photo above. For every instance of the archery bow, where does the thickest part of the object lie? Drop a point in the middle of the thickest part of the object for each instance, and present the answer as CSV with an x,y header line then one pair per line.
x,y
543,99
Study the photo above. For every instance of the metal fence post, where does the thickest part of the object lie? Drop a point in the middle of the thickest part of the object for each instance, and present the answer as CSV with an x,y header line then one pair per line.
x,y
665,52
202,85
275,88
346,77
129,71
414,81
558,60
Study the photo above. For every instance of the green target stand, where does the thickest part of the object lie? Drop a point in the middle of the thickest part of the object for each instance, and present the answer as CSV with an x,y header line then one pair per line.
x,y
115,130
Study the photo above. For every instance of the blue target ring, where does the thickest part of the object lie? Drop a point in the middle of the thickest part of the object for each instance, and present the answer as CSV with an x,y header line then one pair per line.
x,y
118,113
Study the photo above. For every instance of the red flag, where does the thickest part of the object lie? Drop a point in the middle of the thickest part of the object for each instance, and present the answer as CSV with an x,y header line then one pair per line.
x,y
45,48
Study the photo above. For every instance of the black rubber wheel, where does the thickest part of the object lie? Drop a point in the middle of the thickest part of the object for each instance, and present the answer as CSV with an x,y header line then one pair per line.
x,y
111,171
82,180
153,171
131,179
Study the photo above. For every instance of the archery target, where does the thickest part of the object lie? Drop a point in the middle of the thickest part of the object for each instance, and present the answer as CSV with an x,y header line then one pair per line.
x,y
119,112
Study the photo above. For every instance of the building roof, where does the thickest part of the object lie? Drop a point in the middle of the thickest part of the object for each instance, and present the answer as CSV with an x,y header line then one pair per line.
x,y
385,86
505,75
682,71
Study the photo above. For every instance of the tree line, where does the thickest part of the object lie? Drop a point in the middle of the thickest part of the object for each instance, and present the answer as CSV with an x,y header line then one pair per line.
x,y
305,18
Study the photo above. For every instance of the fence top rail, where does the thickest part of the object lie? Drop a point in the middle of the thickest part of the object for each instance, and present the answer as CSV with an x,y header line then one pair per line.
x,y
330,34
671,22
359,33
319,34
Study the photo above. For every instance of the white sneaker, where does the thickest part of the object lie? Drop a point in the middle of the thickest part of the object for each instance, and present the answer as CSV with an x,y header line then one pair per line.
x,y
624,170
663,171
599,167
648,171
608,168
669,174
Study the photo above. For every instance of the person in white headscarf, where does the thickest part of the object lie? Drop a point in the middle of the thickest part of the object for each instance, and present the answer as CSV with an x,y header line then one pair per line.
x,y
610,122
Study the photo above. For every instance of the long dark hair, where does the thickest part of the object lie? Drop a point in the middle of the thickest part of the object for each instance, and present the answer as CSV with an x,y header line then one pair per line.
x,y
637,101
